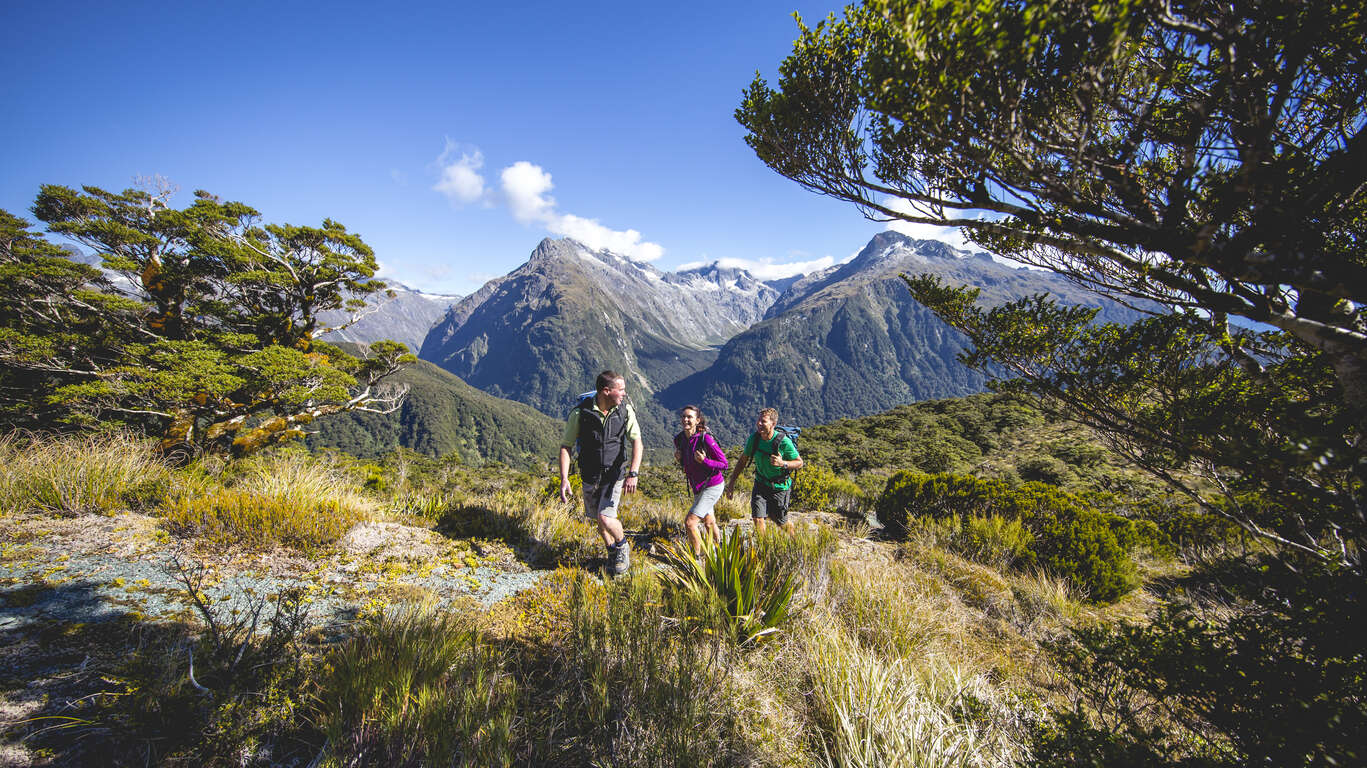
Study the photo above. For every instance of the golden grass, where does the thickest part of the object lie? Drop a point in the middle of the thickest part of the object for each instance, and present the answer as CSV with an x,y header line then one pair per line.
x,y
233,516
287,498
100,473
907,711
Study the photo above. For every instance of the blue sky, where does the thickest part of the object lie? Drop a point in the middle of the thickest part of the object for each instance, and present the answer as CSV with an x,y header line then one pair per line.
x,y
451,136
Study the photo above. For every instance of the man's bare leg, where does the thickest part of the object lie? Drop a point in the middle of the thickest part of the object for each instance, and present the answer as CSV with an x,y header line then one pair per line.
x,y
610,529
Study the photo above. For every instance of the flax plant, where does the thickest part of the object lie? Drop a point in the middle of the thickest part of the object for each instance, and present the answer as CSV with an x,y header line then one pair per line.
x,y
756,600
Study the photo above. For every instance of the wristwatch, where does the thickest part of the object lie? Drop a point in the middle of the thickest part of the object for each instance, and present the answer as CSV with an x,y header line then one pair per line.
x,y
633,473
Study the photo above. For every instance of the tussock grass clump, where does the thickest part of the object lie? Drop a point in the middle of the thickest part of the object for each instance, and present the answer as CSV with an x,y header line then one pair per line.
x,y
418,687
634,690
996,541
875,711
551,532
889,607
80,474
295,474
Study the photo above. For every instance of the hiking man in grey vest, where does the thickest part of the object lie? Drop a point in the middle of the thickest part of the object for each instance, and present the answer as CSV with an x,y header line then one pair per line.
x,y
601,425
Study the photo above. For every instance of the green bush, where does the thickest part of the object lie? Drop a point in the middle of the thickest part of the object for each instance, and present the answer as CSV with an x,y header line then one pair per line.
x,y
1070,539
818,488
1076,542
1044,469
1077,453
912,494
1140,536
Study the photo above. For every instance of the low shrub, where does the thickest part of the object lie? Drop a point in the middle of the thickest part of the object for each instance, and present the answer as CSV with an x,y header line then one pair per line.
x,y
71,475
1141,536
819,488
1076,542
1068,537
1044,469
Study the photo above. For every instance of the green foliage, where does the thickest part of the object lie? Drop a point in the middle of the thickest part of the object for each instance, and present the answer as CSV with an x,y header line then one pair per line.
x,y
818,488
1128,146
754,599
911,494
1043,469
417,687
217,349
1068,538
1279,682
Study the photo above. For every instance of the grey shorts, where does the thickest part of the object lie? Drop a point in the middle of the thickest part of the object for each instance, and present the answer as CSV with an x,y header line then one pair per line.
x,y
602,500
705,500
769,502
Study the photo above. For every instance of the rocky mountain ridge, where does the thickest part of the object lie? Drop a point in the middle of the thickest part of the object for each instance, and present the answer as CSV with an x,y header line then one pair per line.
x,y
402,314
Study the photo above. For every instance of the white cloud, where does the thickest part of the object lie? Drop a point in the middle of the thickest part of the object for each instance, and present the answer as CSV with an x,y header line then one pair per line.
x,y
459,168
768,269
527,187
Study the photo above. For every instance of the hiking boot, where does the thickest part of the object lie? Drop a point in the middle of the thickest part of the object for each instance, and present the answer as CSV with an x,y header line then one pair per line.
x,y
621,558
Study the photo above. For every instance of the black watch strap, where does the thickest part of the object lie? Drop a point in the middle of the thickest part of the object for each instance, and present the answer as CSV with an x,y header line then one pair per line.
x,y
633,473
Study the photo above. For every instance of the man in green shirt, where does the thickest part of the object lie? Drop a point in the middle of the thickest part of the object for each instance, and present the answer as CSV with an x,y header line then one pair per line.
x,y
601,425
775,459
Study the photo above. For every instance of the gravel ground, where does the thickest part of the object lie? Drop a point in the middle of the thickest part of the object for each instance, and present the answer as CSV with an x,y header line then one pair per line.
x,y
95,568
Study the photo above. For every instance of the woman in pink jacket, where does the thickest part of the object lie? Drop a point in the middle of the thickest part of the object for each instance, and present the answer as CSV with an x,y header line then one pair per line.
x,y
704,465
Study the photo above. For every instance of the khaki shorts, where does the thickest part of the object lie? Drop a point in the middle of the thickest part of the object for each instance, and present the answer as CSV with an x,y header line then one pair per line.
x,y
603,500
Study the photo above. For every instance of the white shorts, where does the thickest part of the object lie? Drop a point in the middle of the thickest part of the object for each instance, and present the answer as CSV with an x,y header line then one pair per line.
x,y
705,500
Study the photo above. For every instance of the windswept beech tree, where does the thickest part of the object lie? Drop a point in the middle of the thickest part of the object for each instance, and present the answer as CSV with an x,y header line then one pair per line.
x,y
1202,161
1204,156
202,330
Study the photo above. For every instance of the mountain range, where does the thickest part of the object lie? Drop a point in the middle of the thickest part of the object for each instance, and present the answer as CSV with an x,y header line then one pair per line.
x,y
540,334
401,314
844,342
850,341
